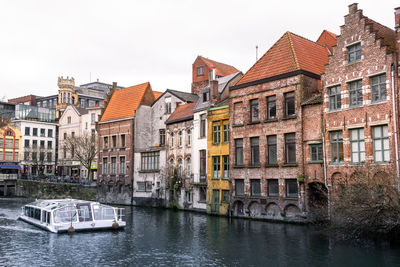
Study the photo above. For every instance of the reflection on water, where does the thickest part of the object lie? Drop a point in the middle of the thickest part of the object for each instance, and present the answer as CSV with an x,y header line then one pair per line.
x,y
155,237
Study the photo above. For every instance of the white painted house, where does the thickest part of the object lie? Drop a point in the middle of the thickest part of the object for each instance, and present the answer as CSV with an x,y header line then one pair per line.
x,y
150,175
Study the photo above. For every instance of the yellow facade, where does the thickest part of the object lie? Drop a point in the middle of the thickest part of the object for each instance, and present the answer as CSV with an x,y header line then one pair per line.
x,y
10,144
218,182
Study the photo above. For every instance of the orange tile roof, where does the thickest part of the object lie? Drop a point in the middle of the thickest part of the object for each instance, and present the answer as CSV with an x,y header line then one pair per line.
x,y
181,113
290,53
327,39
157,94
124,102
221,69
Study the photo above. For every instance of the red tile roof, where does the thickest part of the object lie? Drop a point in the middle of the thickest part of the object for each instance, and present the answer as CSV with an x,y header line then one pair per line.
x,y
124,102
157,94
290,53
221,69
181,113
327,39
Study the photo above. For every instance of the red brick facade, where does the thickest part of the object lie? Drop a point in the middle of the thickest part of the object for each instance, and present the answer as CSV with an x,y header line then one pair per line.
x,y
116,182
361,119
201,69
264,205
30,99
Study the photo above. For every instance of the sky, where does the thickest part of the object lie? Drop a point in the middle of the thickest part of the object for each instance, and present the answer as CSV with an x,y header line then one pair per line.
x,y
131,42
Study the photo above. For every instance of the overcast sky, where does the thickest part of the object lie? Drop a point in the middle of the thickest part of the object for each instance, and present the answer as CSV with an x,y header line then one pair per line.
x,y
132,42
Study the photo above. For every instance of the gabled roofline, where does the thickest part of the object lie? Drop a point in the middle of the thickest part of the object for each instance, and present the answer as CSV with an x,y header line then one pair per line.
x,y
73,108
179,120
172,92
237,74
277,77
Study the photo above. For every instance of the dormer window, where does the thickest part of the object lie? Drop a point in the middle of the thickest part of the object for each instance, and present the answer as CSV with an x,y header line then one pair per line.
x,y
354,52
200,71
205,97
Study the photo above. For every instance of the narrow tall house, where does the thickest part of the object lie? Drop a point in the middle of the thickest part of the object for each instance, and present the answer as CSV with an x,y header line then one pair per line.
x,y
361,106
116,137
205,71
218,179
179,157
268,111
151,186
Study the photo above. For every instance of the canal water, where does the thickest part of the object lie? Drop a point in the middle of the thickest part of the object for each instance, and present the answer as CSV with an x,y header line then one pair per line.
x,y
156,237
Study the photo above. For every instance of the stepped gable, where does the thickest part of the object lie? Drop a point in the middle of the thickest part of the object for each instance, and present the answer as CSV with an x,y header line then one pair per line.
x,y
290,53
387,35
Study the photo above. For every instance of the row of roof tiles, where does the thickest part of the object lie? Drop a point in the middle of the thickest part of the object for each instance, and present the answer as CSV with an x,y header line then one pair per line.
x,y
289,54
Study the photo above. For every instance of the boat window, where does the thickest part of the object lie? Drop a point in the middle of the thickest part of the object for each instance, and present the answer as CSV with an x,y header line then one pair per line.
x,y
44,215
48,217
65,215
84,212
101,212
36,214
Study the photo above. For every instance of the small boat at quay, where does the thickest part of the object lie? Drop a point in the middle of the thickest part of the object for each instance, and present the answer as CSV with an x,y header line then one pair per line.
x,y
70,215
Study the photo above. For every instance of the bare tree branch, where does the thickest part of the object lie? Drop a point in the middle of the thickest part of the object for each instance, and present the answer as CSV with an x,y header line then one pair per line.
x,y
82,148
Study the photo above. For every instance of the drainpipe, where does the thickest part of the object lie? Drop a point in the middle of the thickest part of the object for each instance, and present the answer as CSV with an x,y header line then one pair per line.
x,y
324,158
395,128
132,152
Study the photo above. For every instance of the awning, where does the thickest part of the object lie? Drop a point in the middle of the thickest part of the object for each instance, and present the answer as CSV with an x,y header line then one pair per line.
x,y
14,167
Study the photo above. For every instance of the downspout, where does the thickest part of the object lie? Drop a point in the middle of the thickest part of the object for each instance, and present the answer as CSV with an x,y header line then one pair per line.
x,y
132,151
324,158
395,128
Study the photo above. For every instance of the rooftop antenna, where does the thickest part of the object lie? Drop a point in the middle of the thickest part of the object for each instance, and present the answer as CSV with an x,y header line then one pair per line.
x,y
256,52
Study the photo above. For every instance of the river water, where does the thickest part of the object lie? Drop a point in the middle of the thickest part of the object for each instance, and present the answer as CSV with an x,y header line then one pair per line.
x,y
156,237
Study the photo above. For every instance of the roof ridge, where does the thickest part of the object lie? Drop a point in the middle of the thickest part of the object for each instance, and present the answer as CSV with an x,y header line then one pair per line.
x,y
330,33
265,54
297,66
302,37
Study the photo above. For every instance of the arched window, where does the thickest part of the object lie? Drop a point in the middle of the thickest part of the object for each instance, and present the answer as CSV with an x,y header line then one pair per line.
x,y
171,140
180,138
188,167
180,167
189,138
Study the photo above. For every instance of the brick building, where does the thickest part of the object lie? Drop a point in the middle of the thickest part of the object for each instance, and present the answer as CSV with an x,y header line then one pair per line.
x,y
270,108
116,134
202,68
360,99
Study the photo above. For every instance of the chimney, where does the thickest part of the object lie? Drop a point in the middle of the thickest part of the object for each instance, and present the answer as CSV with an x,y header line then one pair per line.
x,y
353,8
114,87
397,19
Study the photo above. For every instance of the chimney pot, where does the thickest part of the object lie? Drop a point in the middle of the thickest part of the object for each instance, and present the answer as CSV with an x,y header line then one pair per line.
x,y
353,8
397,17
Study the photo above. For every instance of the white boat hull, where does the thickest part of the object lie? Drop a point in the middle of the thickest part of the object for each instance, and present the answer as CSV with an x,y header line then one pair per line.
x,y
66,215
78,226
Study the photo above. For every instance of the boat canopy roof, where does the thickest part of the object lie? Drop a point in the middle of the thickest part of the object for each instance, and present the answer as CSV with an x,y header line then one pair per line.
x,y
51,204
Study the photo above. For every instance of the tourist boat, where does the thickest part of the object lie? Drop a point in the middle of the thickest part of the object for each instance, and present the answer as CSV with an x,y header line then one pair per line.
x,y
69,215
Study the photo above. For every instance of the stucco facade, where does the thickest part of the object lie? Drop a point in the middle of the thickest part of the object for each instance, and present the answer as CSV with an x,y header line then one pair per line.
x,y
218,181
150,171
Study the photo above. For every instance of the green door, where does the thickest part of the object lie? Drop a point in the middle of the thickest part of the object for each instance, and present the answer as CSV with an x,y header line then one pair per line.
x,y
215,201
